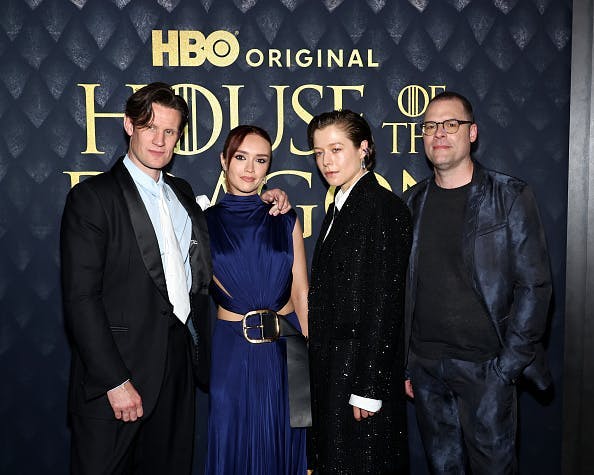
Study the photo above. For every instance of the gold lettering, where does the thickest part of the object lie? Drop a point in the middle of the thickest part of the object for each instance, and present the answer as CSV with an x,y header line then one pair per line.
x,y
259,56
307,219
91,115
338,94
408,100
412,126
135,87
218,187
191,48
280,117
355,59
329,199
434,90
75,176
413,137
221,48
307,209
382,181
274,58
302,113
407,180
394,126
334,58
234,105
161,48
188,144
370,62
307,61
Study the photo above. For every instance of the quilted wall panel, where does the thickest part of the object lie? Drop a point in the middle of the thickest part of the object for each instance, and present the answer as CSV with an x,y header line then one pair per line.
x,y
510,57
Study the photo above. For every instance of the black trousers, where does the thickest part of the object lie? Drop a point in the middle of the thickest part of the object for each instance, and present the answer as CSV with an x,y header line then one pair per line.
x,y
466,415
160,443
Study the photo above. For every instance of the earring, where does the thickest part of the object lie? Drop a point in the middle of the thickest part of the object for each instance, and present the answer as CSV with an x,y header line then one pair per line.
x,y
363,164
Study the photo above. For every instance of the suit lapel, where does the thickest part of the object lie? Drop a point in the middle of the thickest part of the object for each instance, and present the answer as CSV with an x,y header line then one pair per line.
x,y
199,251
142,226
323,231
476,196
355,200
417,208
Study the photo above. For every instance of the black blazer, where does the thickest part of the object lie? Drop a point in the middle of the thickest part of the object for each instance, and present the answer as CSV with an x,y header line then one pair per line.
x,y
116,307
356,322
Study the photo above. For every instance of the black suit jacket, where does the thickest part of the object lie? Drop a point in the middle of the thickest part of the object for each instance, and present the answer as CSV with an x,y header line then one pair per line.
x,y
356,322
116,307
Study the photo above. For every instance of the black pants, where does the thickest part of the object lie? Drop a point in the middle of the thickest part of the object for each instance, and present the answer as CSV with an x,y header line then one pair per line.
x,y
161,443
466,415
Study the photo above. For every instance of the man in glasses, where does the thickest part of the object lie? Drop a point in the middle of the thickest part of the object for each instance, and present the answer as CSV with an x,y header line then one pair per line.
x,y
477,299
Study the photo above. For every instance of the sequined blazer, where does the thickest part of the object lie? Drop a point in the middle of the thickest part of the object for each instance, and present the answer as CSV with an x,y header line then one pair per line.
x,y
356,321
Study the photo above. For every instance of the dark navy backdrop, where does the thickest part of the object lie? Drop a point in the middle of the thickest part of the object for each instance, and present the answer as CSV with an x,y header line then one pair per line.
x,y
510,57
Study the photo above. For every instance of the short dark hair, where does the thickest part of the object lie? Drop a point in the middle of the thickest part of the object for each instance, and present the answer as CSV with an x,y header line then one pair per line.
x,y
139,106
236,136
451,95
354,125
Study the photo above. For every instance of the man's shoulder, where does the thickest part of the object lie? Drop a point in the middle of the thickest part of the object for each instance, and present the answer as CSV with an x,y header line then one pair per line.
x,y
384,202
101,183
502,182
181,184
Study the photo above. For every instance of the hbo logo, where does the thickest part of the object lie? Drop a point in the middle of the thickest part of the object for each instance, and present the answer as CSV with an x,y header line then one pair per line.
x,y
192,48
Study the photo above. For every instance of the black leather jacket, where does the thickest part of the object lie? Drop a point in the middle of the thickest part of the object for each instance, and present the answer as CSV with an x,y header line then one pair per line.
x,y
504,250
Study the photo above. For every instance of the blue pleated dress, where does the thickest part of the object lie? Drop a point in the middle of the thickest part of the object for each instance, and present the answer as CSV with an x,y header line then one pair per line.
x,y
248,421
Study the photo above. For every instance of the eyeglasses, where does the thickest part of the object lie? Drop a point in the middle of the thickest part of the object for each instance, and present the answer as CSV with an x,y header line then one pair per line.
x,y
451,126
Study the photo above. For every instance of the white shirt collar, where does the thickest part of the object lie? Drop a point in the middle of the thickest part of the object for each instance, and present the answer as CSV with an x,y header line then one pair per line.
x,y
142,179
341,196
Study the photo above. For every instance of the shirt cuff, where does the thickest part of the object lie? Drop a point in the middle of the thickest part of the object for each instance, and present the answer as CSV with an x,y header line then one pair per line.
x,y
119,385
371,405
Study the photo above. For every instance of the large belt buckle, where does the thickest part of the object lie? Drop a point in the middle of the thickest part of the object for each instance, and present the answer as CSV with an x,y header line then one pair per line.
x,y
264,320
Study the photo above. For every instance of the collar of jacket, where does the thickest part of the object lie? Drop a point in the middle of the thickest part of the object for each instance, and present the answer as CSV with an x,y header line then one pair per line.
x,y
476,195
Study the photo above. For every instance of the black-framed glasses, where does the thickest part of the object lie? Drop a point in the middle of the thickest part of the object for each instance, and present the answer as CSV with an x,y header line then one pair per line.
x,y
451,126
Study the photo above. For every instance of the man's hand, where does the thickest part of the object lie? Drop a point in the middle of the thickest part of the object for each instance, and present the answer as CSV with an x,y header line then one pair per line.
x,y
359,413
279,199
125,402
408,389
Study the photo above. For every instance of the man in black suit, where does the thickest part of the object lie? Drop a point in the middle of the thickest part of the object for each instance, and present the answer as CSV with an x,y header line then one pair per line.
x,y
135,275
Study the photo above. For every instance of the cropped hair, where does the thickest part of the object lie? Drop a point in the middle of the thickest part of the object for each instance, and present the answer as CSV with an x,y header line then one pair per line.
x,y
354,125
236,136
451,95
139,106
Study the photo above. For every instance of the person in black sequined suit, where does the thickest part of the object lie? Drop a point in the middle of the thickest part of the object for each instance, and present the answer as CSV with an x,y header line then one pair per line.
x,y
356,308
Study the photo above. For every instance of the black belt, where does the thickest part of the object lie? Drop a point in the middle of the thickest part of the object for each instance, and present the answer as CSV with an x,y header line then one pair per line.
x,y
270,326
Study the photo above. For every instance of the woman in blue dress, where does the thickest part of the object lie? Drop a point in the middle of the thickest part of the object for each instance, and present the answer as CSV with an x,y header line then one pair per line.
x,y
258,264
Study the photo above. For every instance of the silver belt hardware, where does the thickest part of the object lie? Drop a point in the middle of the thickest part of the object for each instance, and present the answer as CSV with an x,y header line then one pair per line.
x,y
266,321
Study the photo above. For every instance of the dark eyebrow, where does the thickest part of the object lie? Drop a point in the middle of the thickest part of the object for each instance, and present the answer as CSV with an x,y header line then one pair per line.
x,y
331,144
245,152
